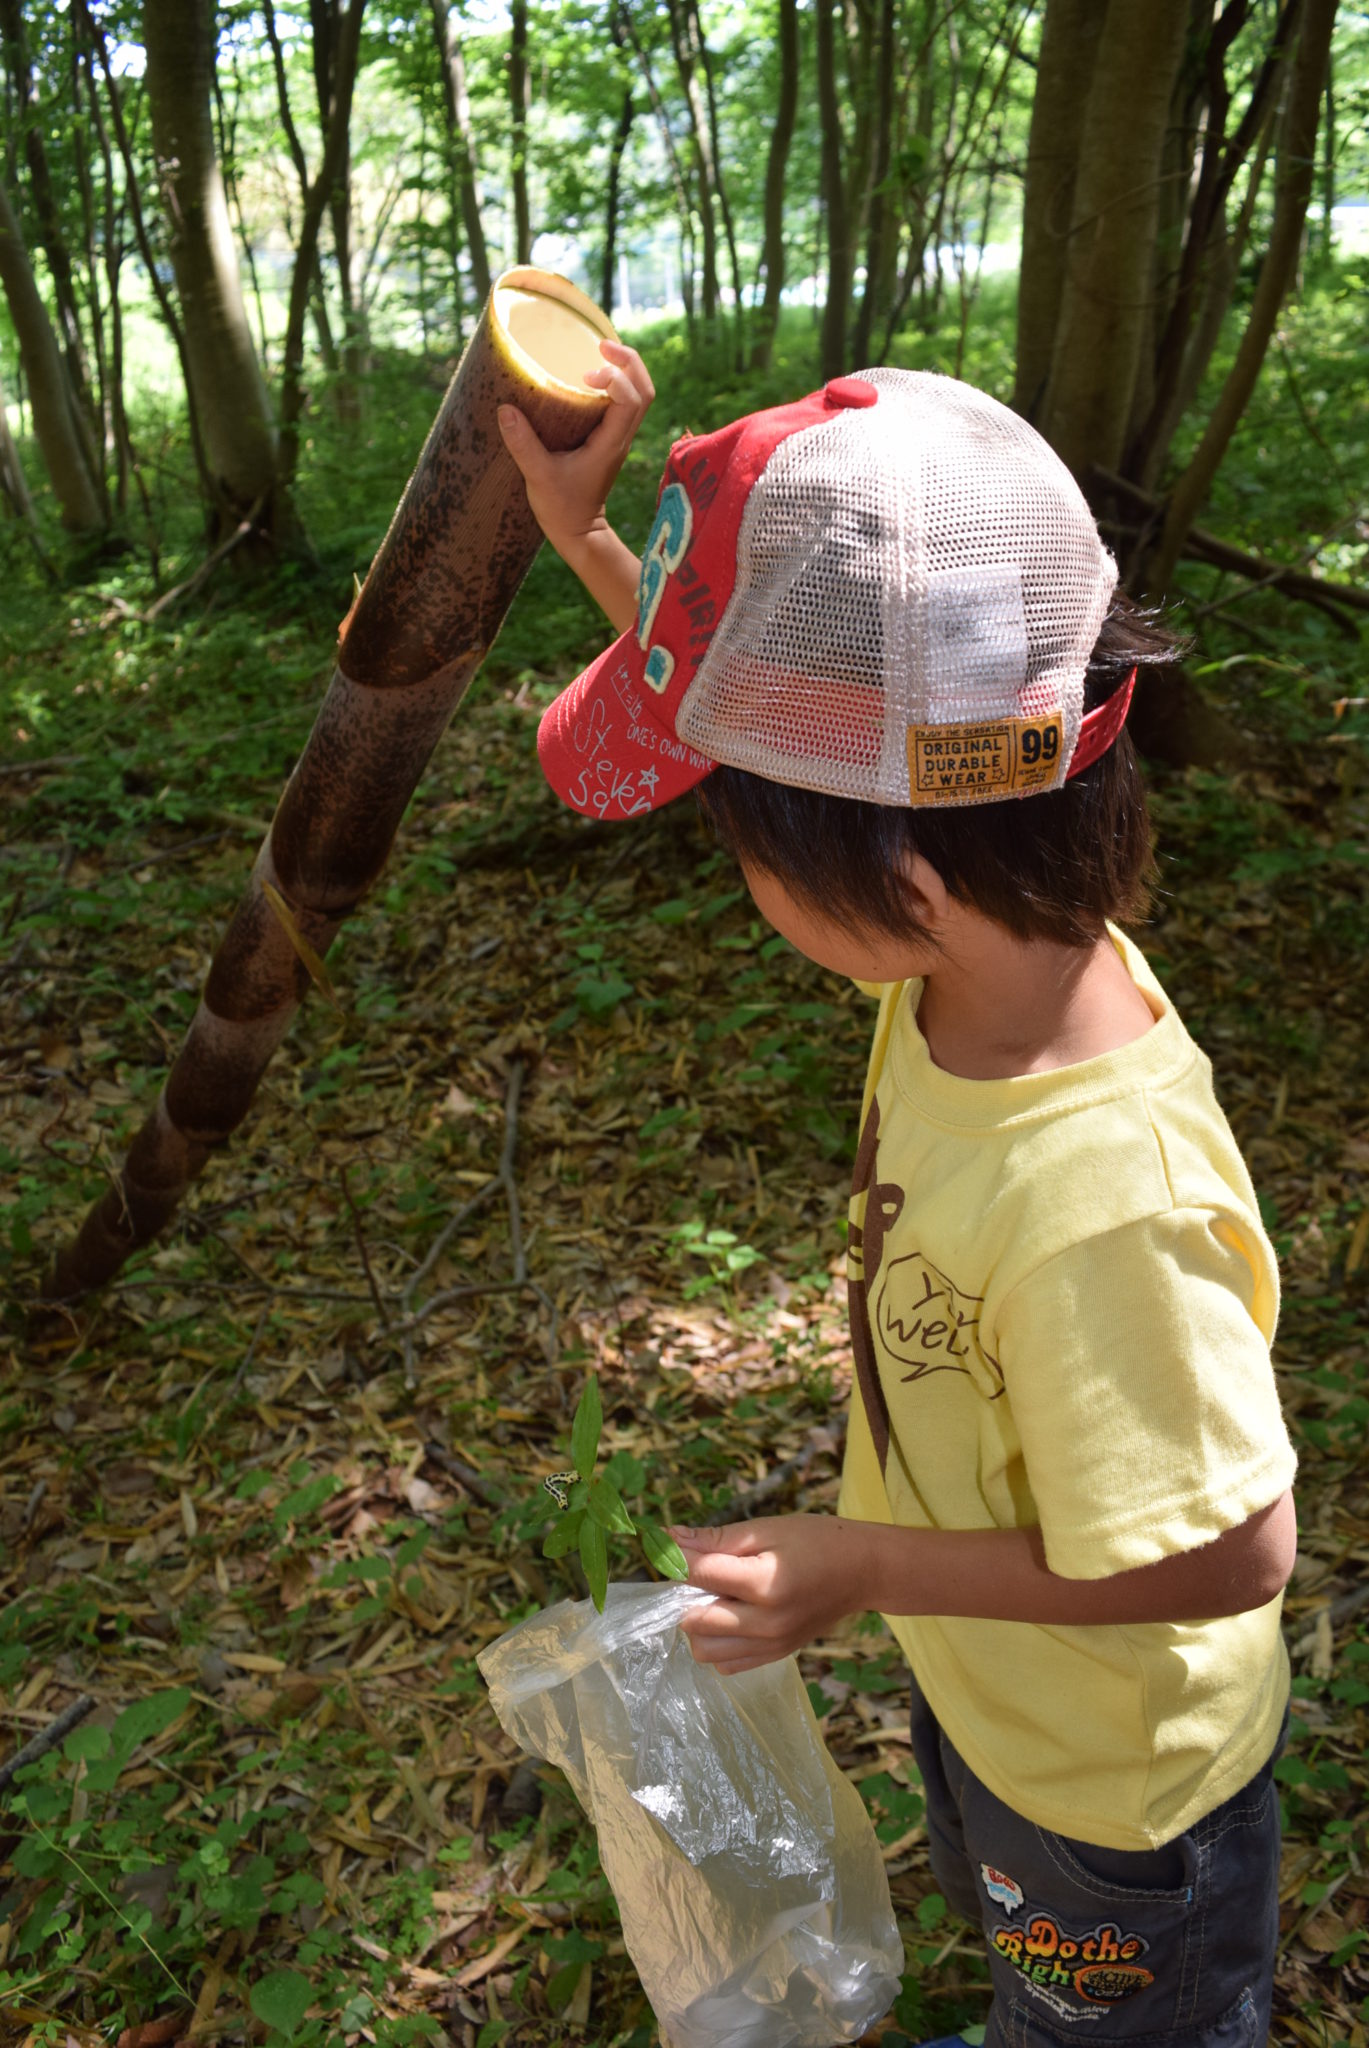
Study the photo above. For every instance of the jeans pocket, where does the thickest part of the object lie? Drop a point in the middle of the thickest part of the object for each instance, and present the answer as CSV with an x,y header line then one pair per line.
x,y
1020,2026
1159,1877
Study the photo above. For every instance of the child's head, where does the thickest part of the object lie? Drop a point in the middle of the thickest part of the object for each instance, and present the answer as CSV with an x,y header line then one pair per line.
x,y
874,624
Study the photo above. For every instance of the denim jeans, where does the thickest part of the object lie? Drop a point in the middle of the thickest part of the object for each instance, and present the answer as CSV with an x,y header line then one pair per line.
x,y
1171,1946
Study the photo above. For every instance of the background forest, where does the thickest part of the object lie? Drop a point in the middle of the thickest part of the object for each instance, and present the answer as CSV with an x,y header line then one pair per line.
x,y
558,1104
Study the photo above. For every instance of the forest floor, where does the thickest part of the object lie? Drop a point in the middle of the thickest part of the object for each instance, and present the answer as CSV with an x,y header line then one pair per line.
x,y
267,1497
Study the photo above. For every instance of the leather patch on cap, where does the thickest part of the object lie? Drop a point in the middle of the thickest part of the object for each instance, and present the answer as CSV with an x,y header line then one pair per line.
x,y
955,764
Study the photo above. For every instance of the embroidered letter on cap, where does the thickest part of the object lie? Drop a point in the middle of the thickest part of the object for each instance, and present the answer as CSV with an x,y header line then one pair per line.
x,y
665,550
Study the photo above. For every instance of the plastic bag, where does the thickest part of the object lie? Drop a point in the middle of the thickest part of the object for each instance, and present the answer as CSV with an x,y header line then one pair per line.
x,y
753,1897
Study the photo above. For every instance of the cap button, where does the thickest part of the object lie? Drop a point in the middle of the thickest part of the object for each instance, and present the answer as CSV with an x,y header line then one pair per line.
x,y
850,391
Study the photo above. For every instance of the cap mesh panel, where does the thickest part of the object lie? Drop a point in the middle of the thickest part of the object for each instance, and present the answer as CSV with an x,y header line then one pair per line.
x,y
925,561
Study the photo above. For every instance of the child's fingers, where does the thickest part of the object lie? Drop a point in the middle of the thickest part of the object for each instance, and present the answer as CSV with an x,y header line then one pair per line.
x,y
628,360
521,439
616,384
731,1578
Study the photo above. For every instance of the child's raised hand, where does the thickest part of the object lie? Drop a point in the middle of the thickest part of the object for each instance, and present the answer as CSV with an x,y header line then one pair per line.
x,y
567,493
781,1582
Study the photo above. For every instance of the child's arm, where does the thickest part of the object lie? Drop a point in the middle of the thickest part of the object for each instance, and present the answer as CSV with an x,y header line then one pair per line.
x,y
567,493
788,1579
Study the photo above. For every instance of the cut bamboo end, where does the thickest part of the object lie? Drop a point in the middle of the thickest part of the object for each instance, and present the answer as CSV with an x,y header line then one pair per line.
x,y
548,331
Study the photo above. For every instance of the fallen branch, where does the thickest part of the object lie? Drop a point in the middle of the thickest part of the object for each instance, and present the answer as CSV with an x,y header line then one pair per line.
x,y
504,1171
1223,554
465,1474
360,1234
244,530
41,767
776,1482
503,1178
48,1738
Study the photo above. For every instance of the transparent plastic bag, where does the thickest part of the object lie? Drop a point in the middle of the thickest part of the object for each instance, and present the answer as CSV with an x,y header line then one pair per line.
x,y
753,1897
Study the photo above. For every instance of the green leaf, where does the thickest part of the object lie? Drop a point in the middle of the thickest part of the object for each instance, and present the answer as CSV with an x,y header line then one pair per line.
x,y
562,1985
88,1743
584,1431
281,1999
606,1506
565,1533
594,1558
146,1718
663,1552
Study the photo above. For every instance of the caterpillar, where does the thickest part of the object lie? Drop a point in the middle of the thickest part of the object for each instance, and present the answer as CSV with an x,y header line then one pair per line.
x,y
558,1485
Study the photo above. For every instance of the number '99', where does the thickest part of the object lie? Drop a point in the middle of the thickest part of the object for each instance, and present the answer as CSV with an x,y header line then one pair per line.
x,y
1040,743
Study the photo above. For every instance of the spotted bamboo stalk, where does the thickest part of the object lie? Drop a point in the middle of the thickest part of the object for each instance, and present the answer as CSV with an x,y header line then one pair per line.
x,y
458,547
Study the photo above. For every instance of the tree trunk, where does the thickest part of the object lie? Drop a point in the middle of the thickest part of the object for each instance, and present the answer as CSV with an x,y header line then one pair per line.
x,y
914,197
1109,258
435,598
615,166
56,413
12,481
1328,163
45,208
225,379
1070,40
687,63
881,229
1204,272
321,196
719,181
1297,162
94,36
520,95
103,417
781,136
672,156
834,199
329,32
456,101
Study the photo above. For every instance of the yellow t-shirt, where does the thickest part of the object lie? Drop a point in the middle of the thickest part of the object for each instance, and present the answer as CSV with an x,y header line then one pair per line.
x,y
1062,1301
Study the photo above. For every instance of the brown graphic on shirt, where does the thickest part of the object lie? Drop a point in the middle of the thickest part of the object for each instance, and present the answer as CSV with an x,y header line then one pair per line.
x,y
865,1248
926,1322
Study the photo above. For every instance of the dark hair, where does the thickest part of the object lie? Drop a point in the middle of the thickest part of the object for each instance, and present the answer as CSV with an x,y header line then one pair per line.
x,y
1053,866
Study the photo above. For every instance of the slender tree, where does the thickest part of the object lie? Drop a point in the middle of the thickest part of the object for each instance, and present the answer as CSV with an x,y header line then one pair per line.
x,y
12,480
461,137
834,197
776,167
520,95
57,422
334,64
626,116
51,233
881,236
230,397
688,63
1104,284
1297,160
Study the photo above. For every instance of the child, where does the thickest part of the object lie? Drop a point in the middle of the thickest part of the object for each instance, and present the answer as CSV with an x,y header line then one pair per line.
x,y
877,631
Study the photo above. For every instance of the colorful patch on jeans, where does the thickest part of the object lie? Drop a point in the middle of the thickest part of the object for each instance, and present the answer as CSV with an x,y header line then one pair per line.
x,y
1103,1967
1000,1886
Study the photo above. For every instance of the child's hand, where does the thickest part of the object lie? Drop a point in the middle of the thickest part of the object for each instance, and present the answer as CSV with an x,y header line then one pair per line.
x,y
782,1582
567,493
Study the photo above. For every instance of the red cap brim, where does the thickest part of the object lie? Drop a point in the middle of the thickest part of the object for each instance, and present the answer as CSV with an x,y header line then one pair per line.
x,y
602,748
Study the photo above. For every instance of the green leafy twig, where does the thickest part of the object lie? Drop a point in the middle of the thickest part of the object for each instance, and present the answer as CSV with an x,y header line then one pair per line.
x,y
593,1510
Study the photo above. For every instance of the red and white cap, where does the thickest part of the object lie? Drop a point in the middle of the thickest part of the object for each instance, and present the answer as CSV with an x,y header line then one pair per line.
x,y
888,590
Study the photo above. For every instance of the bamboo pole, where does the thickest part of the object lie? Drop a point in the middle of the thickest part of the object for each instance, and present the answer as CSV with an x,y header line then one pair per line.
x,y
458,547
